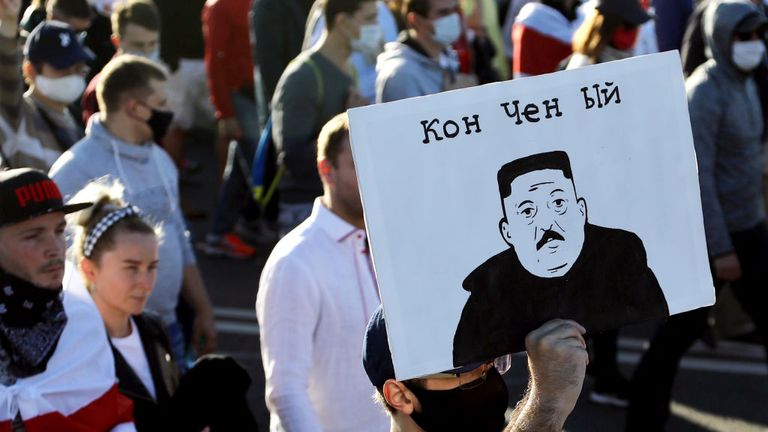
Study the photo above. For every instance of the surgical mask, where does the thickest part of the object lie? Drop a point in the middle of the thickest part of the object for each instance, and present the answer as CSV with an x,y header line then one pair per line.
x,y
747,55
479,408
63,90
448,29
369,41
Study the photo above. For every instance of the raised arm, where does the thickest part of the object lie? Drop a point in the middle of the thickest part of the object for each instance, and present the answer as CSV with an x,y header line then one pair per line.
x,y
557,361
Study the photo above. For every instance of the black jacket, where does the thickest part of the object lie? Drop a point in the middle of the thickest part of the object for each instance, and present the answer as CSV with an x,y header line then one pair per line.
x,y
149,414
609,285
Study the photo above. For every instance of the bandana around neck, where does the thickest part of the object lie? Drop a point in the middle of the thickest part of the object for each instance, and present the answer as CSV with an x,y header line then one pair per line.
x,y
32,320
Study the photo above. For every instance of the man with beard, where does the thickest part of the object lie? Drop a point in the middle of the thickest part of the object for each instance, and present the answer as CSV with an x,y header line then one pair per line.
x,y
56,368
316,293
557,266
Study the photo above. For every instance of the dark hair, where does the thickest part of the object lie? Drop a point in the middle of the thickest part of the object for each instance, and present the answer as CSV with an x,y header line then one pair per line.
x,y
126,74
419,7
332,8
106,199
142,13
557,160
69,8
331,139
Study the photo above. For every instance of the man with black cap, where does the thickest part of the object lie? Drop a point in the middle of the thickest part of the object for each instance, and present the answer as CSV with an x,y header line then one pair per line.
x,y
474,398
727,124
36,127
56,367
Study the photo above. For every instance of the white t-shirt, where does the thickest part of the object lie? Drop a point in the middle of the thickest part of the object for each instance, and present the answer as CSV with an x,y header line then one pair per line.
x,y
133,352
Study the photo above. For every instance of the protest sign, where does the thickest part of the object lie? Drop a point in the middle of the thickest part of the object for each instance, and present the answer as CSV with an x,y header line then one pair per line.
x,y
491,210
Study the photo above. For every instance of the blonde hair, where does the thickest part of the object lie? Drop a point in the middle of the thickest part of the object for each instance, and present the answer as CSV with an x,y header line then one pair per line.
x,y
106,198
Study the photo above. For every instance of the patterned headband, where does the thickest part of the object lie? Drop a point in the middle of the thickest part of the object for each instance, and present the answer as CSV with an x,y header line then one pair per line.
x,y
104,224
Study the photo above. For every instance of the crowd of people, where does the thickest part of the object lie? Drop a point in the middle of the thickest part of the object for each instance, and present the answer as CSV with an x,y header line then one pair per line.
x,y
97,98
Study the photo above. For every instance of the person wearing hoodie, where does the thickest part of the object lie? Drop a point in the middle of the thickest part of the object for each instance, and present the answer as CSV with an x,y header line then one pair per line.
x,y
727,124
121,144
421,61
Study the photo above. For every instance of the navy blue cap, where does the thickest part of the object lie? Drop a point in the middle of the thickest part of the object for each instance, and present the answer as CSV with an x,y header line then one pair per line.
x,y
377,358
55,43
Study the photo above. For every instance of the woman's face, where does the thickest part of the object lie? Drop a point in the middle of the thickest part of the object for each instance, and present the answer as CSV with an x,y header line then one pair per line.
x,y
125,275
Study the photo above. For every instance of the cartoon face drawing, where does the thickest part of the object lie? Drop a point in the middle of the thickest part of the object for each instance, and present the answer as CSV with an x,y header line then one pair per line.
x,y
544,221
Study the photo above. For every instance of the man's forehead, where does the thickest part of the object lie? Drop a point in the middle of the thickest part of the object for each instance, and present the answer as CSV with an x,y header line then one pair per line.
x,y
38,222
539,180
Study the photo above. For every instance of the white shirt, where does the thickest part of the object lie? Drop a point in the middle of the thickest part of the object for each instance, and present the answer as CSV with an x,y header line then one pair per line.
x,y
132,350
316,294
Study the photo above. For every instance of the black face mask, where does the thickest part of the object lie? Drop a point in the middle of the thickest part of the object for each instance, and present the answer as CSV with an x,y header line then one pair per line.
x,y
31,321
159,123
477,409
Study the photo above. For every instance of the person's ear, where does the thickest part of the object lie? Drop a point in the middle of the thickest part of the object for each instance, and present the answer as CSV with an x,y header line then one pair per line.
x,y
325,169
115,41
88,269
415,21
582,208
397,395
29,71
504,230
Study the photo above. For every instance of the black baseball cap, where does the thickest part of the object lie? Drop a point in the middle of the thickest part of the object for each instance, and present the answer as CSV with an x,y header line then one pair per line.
x,y
631,11
377,358
56,43
26,193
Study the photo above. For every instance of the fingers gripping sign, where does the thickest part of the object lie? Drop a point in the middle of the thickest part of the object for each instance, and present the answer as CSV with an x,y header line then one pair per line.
x,y
557,359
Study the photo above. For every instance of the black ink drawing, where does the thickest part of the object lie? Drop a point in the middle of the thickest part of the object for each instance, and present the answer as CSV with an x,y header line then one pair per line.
x,y
558,265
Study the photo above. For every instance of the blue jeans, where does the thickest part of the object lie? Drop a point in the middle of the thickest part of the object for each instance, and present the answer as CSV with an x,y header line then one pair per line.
x,y
235,195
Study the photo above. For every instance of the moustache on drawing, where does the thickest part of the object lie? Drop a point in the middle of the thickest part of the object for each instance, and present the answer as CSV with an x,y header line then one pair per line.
x,y
548,236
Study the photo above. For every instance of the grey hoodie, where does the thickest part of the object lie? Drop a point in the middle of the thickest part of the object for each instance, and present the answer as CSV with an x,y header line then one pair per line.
x,y
727,123
151,184
402,72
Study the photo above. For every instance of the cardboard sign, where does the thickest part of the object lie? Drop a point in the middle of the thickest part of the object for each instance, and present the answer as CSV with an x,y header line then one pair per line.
x,y
493,209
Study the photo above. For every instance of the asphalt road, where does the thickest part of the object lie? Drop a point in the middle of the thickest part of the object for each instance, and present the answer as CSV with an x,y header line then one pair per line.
x,y
722,390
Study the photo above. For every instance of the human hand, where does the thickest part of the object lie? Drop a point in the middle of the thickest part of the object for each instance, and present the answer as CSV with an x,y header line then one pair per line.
x,y
229,128
557,360
727,267
9,16
204,339
355,99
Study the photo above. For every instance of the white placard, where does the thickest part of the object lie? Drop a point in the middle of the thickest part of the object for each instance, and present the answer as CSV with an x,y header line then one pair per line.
x,y
571,195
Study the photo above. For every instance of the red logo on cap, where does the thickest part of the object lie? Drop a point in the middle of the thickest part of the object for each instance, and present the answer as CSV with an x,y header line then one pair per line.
x,y
37,192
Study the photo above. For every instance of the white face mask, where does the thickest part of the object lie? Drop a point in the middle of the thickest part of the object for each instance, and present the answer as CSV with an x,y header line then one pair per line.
x,y
747,55
447,29
63,90
369,41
